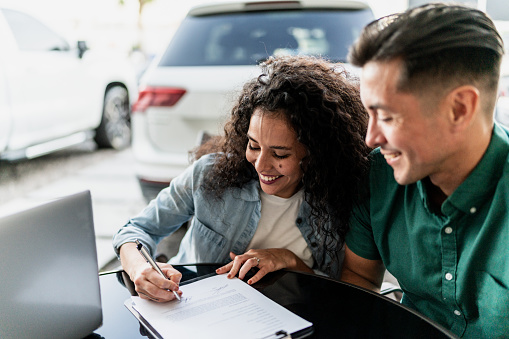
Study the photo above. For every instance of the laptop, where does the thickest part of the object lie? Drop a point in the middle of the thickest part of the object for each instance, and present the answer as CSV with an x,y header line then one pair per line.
x,y
49,274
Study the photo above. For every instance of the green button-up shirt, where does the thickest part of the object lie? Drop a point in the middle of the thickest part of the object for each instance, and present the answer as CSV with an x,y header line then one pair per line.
x,y
453,266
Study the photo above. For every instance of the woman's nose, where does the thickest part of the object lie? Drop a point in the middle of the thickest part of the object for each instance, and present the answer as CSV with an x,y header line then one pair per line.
x,y
263,162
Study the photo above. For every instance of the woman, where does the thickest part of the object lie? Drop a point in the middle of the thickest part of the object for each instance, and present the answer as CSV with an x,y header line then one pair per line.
x,y
280,191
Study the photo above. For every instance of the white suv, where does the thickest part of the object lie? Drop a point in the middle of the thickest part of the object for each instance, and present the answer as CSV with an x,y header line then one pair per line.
x,y
502,109
54,95
188,90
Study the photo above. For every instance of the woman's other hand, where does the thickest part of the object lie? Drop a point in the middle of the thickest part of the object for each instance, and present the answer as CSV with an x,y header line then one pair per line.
x,y
266,260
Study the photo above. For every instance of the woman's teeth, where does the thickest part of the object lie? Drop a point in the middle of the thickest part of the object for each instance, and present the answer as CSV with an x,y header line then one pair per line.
x,y
264,178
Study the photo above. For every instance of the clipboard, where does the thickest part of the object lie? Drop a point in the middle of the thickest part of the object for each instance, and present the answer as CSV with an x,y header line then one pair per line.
x,y
297,335
155,317
128,304
304,333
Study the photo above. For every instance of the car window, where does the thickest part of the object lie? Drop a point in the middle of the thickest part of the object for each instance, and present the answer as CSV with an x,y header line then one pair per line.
x,y
248,38
31,34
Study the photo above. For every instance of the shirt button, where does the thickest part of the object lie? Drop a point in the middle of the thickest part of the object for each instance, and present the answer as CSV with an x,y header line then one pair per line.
x,y
457,312
448,230
448,276
473,210
299,220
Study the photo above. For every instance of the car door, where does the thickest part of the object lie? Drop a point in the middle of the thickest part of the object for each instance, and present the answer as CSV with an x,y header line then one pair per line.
x,y
49,97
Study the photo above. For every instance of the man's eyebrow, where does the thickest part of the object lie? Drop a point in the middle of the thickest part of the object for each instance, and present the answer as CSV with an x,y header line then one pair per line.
x,y
375,107
286,148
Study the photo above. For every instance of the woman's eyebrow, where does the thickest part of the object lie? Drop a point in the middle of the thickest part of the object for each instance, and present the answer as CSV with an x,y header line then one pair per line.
x,y
251,138
286,148
281,148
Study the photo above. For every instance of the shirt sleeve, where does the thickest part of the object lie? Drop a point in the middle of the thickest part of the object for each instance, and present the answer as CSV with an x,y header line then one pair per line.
x,y
359,238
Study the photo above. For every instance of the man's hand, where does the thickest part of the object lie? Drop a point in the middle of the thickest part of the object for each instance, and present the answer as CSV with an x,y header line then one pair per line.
x,y
362,272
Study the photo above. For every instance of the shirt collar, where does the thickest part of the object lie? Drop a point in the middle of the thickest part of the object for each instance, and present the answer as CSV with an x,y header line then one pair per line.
x,y
480,184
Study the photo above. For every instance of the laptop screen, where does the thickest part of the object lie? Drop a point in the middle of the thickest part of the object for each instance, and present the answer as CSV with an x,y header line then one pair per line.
x,y
50,283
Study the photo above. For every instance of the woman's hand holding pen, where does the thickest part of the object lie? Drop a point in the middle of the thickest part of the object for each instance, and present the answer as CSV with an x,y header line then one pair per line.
x,y
266,260
149,284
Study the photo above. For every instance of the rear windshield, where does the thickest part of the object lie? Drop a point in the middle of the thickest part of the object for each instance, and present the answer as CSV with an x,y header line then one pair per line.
x,y
248,38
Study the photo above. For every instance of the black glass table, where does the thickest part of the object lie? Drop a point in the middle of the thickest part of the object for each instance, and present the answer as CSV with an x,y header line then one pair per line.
x,y
336,309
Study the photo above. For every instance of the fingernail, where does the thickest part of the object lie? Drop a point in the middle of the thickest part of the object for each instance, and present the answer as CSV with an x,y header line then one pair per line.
x,y
249,282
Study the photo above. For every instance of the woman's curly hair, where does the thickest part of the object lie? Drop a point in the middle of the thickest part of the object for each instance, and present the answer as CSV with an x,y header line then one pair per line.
x,y
321,102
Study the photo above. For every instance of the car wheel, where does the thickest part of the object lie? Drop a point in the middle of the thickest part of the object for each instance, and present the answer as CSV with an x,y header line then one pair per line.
x,y
115,128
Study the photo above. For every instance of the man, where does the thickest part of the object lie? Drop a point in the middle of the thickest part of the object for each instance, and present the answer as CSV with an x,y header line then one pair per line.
x,y
436,214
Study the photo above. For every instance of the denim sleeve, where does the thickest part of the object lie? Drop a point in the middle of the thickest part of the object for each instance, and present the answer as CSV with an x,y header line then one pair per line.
x,y
172,207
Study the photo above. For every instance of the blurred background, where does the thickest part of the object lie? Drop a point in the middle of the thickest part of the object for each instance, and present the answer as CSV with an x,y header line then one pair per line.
x,y
129,26
142,28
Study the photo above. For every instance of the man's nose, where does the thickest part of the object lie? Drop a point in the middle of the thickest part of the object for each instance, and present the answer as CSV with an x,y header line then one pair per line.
x,y
374,136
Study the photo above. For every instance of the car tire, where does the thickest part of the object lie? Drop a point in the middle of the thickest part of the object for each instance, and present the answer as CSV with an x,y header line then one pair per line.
x,y
115,128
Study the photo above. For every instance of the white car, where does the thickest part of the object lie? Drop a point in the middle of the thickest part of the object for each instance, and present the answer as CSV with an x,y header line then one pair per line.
x,y
189,90
502,109
54,96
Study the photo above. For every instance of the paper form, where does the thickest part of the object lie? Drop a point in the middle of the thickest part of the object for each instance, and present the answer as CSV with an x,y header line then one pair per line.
x,y
218,307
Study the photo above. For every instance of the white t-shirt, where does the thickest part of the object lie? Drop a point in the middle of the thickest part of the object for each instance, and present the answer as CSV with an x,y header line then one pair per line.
x,y
277,228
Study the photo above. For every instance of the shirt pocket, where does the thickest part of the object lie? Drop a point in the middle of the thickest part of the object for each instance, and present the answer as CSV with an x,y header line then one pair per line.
x,y
493,306
209,245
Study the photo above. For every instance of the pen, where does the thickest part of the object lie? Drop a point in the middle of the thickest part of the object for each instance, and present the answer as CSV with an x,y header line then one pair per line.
x,y
151,261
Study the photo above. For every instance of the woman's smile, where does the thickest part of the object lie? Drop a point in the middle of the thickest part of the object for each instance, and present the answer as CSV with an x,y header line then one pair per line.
x,y
268,179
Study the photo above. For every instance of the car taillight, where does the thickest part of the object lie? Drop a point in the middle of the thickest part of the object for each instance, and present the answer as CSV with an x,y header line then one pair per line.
x,y
158,97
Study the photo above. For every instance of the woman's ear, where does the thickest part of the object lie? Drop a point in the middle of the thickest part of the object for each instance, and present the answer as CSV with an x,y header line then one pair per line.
x,y
305,162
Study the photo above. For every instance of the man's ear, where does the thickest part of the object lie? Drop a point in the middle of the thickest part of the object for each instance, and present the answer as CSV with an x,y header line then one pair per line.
x,y
464,104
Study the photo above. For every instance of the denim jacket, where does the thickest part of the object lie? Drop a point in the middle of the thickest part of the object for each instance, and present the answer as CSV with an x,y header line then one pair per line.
x,y
217,226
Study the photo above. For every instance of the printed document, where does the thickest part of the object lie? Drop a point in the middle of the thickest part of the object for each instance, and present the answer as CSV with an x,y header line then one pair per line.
x,y
218,307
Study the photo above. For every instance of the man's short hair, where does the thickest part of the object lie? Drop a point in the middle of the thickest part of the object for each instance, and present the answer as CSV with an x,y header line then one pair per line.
x,y
449,45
